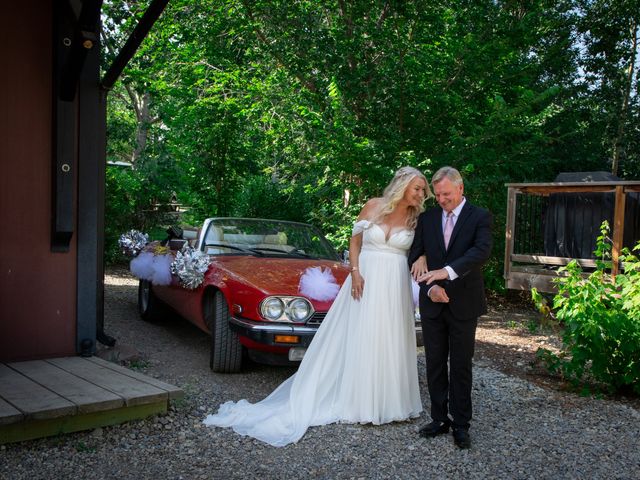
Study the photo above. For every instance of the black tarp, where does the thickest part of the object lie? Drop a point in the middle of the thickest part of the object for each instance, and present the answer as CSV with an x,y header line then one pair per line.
x,y
572,220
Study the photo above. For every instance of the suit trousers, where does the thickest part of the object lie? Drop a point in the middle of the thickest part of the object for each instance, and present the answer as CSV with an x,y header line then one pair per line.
x,y
449,345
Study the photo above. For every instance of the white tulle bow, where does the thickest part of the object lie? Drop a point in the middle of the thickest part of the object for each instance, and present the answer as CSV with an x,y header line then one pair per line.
x,y
154,268
318,284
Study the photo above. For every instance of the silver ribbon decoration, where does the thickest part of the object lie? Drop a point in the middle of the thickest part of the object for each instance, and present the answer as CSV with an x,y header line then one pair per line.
x,y
190,266
132,242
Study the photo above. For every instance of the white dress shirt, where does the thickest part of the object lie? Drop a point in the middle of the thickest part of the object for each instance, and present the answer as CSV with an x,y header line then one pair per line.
x,y
456,213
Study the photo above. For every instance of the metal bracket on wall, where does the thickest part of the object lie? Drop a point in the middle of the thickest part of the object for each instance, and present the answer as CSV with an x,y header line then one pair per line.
x,y
74,37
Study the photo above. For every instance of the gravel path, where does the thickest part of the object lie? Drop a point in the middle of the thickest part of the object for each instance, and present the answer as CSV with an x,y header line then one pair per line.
x,y
520,430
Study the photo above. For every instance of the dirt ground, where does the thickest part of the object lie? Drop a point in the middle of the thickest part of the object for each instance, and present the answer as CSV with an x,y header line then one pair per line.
x,y
507,340
509,336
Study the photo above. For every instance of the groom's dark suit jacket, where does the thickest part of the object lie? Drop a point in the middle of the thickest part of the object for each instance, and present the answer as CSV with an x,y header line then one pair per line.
x,y
469,248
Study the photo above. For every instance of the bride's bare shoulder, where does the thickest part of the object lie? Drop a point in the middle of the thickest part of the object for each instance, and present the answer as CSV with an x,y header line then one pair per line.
x,y
370,208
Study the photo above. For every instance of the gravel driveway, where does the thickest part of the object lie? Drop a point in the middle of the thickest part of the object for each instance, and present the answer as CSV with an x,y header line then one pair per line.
x,y
520,430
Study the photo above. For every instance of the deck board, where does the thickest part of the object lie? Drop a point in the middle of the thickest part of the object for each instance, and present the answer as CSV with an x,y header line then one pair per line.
x,y
173,392
87,396
40,398
9,413
132,391
31,398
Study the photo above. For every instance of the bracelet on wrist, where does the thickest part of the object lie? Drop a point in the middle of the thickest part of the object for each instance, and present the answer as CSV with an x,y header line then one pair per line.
x,y
354,269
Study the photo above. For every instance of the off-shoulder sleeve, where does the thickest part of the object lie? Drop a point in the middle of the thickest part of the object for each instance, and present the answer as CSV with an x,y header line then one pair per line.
x,y
359,227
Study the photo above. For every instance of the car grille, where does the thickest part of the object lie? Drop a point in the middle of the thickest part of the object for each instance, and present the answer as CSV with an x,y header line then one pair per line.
x,y
316,319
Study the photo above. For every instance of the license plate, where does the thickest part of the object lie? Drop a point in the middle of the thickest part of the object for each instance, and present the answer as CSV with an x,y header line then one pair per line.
x,y
296,354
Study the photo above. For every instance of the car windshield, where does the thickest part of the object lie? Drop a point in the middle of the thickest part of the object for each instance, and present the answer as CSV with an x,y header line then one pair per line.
x,y
260,237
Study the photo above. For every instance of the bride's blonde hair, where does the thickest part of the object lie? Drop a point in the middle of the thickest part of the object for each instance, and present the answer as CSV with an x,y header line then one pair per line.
x,y
394,192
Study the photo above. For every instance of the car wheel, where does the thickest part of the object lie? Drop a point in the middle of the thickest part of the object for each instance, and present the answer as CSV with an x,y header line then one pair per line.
x,y
149,306
226,349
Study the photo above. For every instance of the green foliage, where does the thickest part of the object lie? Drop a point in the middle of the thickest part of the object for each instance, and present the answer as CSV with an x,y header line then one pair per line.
x,y
303,110
546,319
134,199
120,209
532,325
255,196
601,320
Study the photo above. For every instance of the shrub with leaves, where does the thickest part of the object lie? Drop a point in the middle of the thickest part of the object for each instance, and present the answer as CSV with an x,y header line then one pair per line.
x,y
601,319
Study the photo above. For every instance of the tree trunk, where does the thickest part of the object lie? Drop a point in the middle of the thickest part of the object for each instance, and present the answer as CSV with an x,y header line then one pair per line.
x,y
617,143
141,105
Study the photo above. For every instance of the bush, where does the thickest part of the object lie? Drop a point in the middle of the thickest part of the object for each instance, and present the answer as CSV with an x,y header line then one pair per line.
x,y
601,320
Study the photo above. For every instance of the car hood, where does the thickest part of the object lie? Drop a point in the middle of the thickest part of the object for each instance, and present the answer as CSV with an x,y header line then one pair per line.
x,y
275,276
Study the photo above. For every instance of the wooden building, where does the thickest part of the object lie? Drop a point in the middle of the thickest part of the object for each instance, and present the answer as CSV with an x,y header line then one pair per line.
x,y
52,154
51,188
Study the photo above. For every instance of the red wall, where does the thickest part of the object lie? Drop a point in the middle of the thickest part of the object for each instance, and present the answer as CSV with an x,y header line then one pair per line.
x,y
37,287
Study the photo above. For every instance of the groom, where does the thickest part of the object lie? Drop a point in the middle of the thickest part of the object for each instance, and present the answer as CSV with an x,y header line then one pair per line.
x,y
456,239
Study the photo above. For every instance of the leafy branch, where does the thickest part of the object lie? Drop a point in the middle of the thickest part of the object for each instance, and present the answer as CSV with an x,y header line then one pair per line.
x,y
601,319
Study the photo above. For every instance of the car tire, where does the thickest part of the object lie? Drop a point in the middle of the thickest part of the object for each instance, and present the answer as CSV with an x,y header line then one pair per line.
x,y
226,350
149,306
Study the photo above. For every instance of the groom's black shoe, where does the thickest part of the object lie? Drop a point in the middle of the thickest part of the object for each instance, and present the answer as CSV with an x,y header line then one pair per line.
x,y
461,437
434,428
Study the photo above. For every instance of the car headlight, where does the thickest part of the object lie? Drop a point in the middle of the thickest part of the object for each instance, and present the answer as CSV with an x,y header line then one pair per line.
x,y
286,309
272,308
298,310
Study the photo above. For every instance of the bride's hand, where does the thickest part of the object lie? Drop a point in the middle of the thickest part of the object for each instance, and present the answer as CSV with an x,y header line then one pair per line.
x,y
357,285
419,267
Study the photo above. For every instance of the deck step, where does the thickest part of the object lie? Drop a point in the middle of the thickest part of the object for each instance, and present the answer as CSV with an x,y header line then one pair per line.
x,y
47,397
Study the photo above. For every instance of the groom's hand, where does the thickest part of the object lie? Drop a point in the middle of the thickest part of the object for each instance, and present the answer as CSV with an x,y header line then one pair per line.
x,y
434,275
437,294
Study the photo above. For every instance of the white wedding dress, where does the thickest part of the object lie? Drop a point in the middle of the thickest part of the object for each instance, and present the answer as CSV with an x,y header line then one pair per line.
x,y
361,365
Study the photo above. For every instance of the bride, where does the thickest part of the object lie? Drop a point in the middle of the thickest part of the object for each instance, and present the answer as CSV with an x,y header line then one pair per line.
x,y
361,365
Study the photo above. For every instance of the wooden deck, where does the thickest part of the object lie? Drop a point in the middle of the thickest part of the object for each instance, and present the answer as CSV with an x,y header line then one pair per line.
x,y
40,398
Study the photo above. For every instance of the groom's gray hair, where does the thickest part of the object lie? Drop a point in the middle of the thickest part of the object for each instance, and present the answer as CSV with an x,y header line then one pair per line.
x,y
448,172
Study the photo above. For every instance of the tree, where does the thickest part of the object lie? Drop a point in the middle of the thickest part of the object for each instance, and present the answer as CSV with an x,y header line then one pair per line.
x,y
304,109
609,34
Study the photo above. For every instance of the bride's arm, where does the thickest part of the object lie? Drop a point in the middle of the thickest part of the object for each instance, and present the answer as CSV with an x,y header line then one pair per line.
x,y
357,281
355,245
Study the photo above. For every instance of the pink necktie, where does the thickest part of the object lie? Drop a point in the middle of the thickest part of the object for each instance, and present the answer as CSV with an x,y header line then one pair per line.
x,y
448,229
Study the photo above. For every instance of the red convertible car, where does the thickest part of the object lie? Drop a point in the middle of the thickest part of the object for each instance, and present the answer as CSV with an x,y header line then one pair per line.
x,y
251,299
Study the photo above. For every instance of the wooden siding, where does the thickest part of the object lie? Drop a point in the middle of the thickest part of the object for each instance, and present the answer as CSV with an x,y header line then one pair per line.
x,y
37,286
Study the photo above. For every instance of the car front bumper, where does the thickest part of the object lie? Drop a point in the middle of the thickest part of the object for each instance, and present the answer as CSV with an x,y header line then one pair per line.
x,y
265,333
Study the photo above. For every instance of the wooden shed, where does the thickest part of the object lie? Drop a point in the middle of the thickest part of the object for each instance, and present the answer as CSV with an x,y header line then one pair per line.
x,y
550,224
